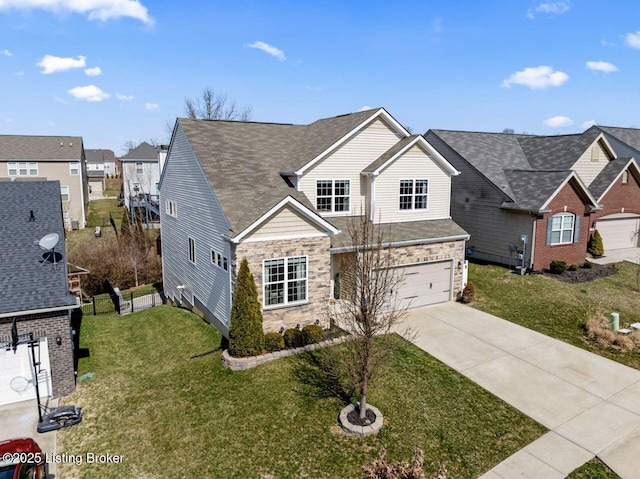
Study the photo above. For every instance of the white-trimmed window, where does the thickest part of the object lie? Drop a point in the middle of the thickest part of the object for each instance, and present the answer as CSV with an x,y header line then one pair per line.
x,y
74,169
562,228
64,193
171,209
22,168
332,196
66,218
218,260
136,188
285,281
139,168
192,250
414,194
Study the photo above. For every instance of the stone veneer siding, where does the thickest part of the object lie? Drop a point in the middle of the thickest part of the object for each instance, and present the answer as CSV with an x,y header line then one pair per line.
x,y
318,276
572,253
49,325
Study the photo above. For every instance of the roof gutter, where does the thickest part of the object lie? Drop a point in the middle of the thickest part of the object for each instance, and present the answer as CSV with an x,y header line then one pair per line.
x,y
41,310
345,249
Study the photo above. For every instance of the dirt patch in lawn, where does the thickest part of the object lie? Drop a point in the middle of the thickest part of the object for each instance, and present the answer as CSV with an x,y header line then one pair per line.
x,y
583,275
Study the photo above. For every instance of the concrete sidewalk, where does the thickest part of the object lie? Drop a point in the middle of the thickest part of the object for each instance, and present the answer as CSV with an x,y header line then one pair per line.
x,y
590,404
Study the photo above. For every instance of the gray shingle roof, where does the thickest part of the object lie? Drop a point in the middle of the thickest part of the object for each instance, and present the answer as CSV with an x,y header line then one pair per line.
x,y
556,152
41,148
390,153
99,156
144,151
532,189
630,136
402,232
610,172
245,151
26,283
95,173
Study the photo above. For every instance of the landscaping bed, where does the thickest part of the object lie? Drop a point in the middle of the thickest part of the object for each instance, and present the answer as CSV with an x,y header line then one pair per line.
x,y
583,274
173,416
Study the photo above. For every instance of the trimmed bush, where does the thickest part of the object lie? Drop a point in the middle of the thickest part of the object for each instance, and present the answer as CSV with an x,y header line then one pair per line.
x,y
468,293
312,333
557,266
246,336
293,338
273,342
595,247
588,264
573,267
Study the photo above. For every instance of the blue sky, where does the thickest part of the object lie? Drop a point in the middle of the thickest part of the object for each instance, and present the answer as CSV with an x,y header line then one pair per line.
x,y
114,71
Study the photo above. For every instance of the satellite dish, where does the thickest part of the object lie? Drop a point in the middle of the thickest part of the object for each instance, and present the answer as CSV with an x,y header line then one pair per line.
x,y
49,241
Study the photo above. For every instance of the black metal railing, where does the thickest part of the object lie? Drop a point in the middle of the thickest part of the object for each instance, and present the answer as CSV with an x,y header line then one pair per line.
x,y
123,303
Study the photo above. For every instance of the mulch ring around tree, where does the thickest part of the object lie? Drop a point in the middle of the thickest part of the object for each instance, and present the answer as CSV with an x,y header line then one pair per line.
x,y
584,275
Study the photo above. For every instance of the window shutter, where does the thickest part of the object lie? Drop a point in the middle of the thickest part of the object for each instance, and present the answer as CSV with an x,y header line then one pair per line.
x,y
549,230
576,230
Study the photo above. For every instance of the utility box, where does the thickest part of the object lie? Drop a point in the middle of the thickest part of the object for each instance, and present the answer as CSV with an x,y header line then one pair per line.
x,y
615,321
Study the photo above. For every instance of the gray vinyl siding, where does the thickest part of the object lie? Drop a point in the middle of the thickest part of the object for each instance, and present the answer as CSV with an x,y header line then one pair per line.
x,y
199,216
475,206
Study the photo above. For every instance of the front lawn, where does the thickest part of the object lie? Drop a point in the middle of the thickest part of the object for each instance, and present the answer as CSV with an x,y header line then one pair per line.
x,y
173,416
560,309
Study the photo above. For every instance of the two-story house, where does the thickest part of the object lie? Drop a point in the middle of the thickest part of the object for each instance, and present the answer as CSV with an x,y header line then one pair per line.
x,y
282,195
60,158
141,178
34,293
527,200
100,165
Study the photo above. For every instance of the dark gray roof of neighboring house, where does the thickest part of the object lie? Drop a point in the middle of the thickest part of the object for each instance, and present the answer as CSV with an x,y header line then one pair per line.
x,y
41,148
400,232
556,152
144,151
25,282
630,136
95,173
99,156
532,189
490,153
390,153
610,172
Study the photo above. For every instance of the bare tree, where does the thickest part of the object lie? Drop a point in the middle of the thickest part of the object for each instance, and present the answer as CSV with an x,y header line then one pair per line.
x,y
370,308
214,106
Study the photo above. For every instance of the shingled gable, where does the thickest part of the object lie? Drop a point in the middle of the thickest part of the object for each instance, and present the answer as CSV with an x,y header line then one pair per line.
x,y
402,147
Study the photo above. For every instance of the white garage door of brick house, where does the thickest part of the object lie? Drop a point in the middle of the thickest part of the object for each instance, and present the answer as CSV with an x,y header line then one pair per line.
x,y
16,373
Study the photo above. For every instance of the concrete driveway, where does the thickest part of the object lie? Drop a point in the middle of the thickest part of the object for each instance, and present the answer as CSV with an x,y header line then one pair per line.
x,y
615,256
21,420
590,404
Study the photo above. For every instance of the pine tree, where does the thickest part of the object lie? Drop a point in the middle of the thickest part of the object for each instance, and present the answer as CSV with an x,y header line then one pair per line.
x,y
246,336
595,246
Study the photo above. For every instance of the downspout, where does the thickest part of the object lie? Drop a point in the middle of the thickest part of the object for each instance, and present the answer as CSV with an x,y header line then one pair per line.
x,y
533,241
372,200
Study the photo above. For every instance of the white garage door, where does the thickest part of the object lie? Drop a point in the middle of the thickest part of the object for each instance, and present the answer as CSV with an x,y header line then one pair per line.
x,y
96,186
618,233
16,373
427,283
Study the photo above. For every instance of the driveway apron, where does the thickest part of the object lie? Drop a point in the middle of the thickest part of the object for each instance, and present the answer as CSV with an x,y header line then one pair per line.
x,y
590,404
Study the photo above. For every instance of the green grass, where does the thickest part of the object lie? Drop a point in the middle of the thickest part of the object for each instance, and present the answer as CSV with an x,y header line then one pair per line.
x,y
593,469
113,186
99,213
172,416
559,309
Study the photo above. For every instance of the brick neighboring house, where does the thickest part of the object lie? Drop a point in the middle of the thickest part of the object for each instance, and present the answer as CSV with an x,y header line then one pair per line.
x,y
35,292
61,158
282,196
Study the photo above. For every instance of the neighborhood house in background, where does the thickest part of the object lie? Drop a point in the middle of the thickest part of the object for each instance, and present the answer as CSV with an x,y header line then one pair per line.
x,y
281,195
550,191
61,158
35,293
100,163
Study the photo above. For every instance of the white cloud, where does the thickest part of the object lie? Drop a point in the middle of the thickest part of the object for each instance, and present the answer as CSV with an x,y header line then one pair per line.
x,y
95,9
314,88
600,66
365,108
605,43
8,120
553,8
632,40
120,96
588,124
6,53
558,121
151,106
93,72
51,64
90,93
20,73
271,50
536,78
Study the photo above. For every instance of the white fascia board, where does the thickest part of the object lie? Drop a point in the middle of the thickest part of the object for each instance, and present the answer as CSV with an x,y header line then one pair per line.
x,y
380,113
345,249
41,310
299,207
573,174
631,161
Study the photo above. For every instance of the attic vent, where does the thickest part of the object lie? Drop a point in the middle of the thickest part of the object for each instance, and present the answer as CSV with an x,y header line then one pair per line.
x,y
70,144
61,144
595,153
